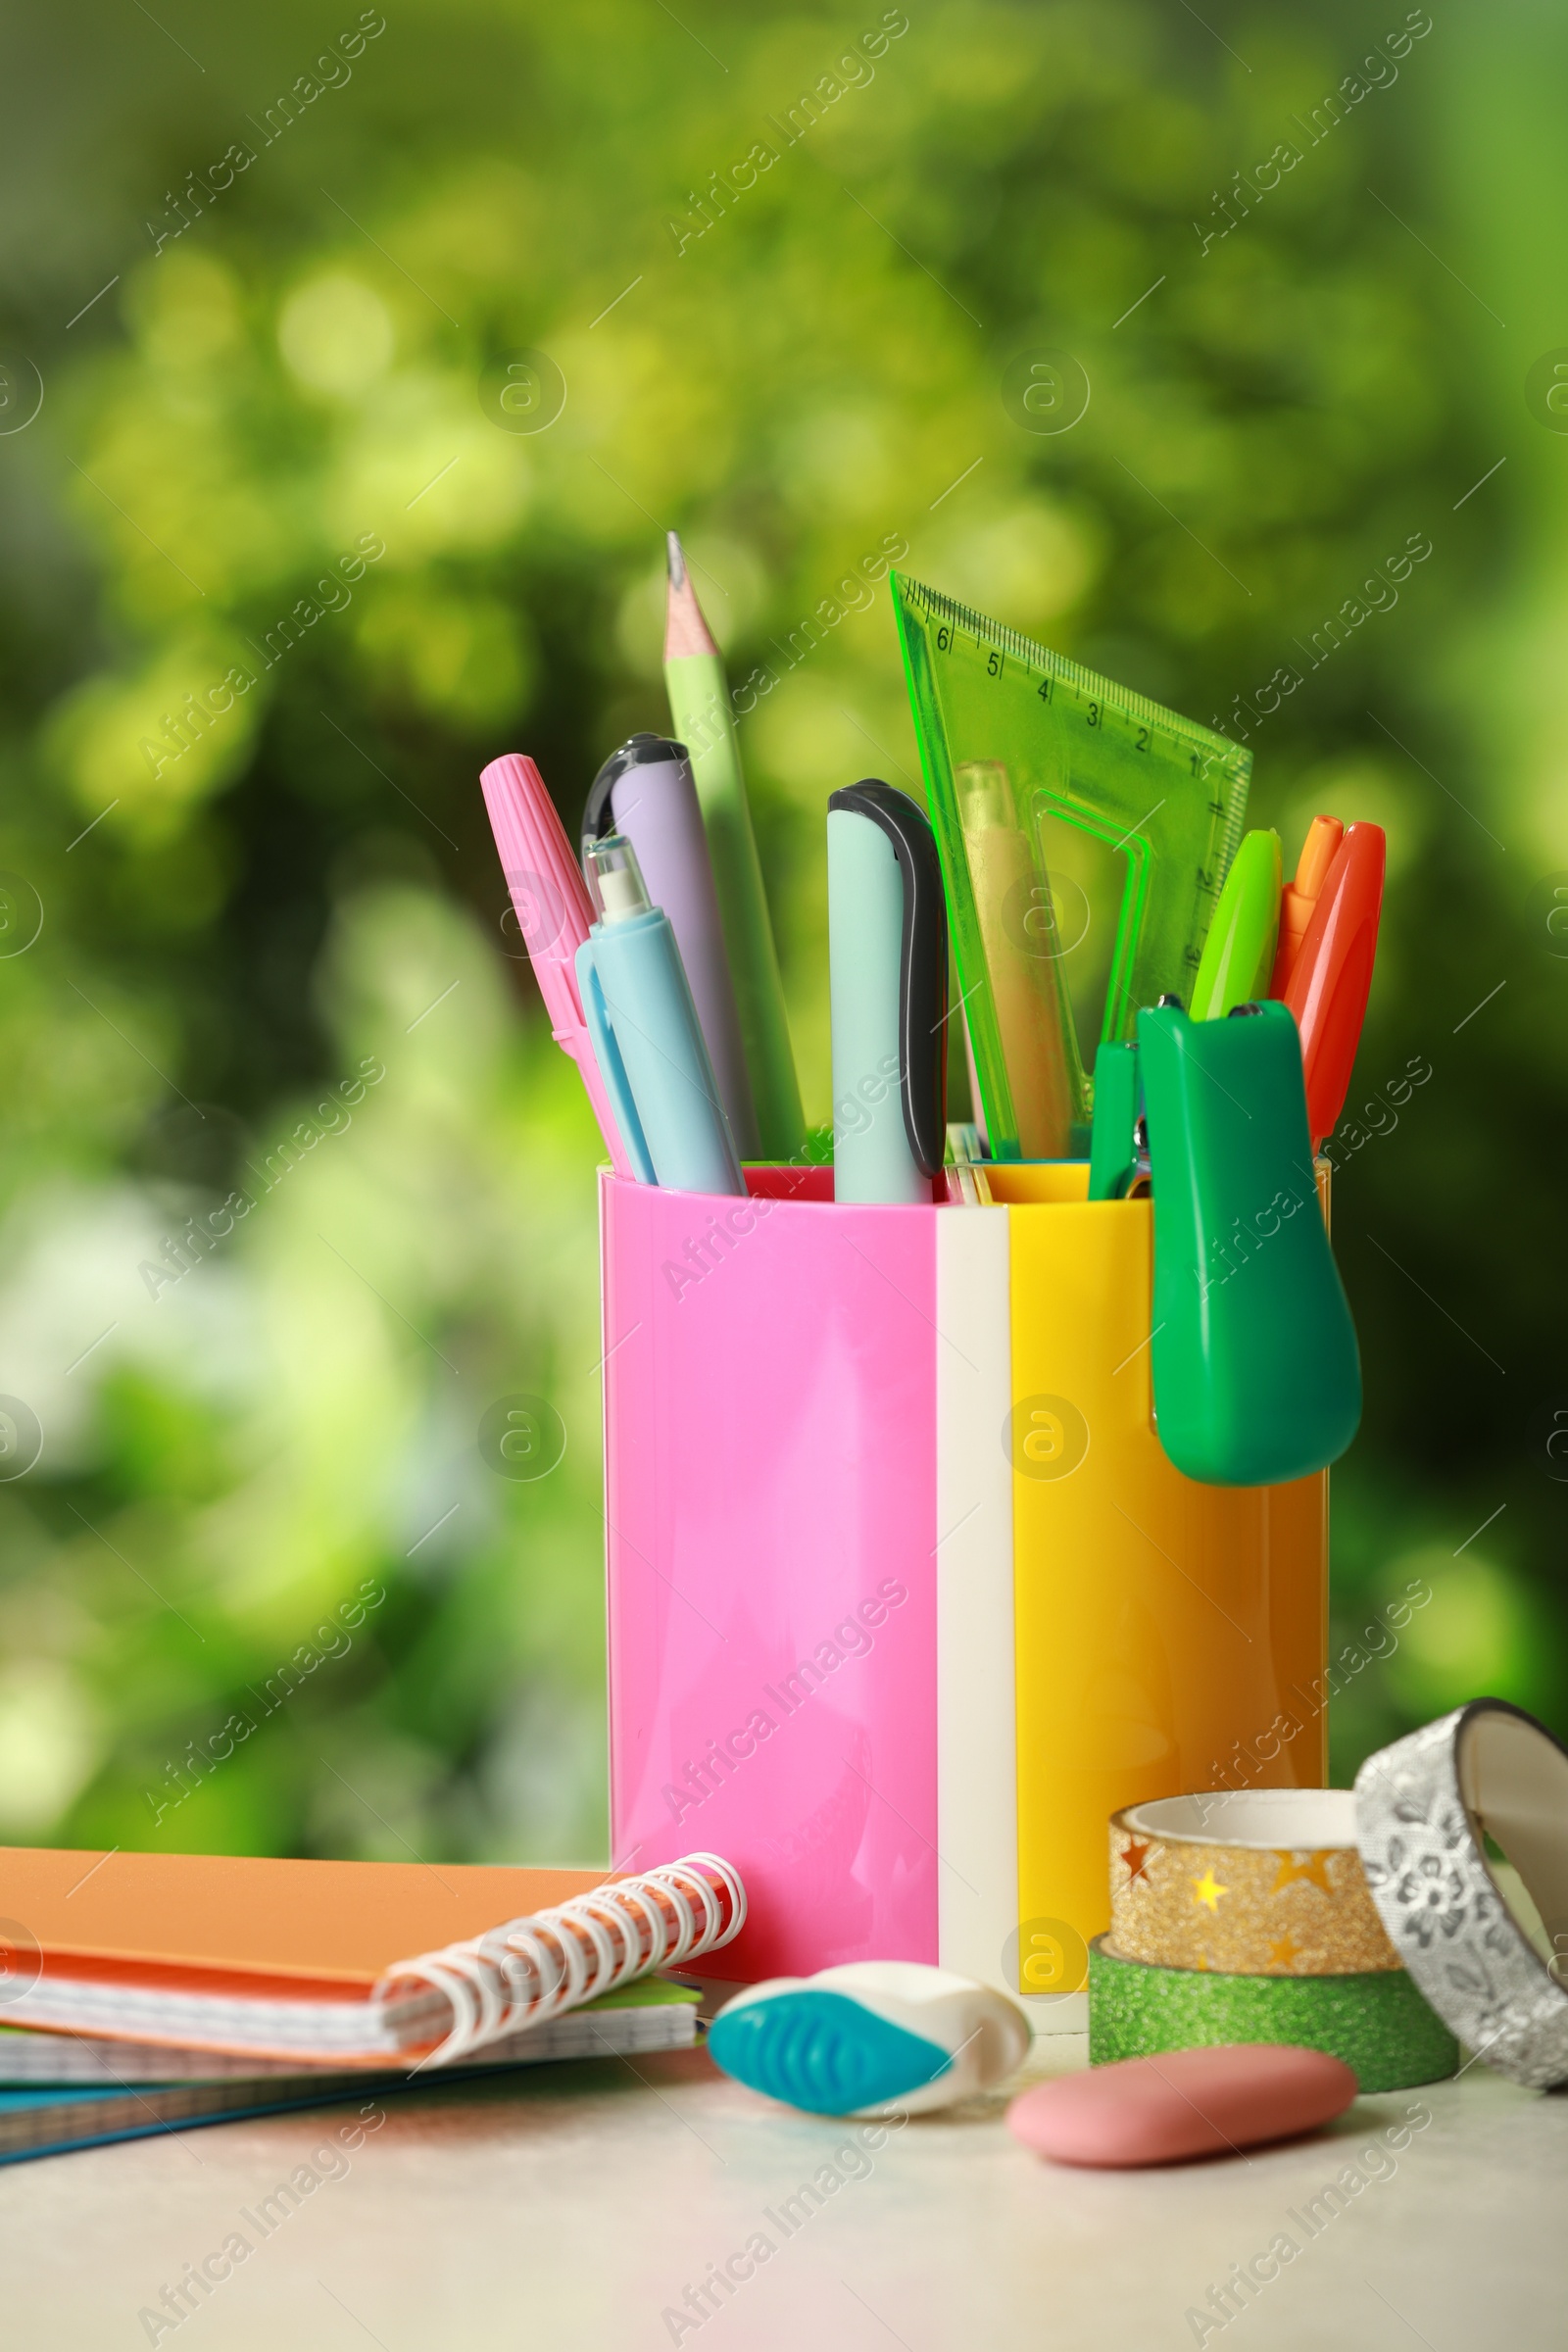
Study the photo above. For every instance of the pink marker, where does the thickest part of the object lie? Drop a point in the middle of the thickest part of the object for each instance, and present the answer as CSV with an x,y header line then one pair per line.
x,y
554,915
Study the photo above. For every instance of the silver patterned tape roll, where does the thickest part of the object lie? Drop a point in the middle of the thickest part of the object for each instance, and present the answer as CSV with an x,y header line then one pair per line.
x,y
1423,1808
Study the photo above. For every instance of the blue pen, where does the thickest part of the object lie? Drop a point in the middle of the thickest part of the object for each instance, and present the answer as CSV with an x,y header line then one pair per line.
x,y
639,1012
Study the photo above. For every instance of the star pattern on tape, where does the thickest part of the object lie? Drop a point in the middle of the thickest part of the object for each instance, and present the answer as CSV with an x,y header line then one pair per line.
x,y
1133,1855
1207,1890
1284,1951
1315,1870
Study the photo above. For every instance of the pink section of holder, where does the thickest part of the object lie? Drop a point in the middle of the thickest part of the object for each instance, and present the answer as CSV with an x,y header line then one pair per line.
x,y
770,1481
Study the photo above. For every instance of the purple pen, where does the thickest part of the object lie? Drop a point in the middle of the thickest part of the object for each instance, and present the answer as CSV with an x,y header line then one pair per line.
x,y
645,790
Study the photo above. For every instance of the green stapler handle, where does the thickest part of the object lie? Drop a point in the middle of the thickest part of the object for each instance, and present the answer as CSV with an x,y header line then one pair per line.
x,y
1112,1152
1256,1374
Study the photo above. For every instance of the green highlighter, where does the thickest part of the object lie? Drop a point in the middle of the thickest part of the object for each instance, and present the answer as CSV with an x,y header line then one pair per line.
x,y
1239,952
1256,1375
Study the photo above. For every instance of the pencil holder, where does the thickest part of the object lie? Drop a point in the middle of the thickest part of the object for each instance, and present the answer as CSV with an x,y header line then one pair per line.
x,y
905,1599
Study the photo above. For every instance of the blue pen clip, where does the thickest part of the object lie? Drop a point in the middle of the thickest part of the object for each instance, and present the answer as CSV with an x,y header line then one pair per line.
x,y
611,1068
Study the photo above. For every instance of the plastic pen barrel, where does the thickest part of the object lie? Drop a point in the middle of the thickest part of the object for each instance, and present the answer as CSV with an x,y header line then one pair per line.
x,y
642,1010
888,958
645,790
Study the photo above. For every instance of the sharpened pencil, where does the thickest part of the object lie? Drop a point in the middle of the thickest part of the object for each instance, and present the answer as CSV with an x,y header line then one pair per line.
x,y
698,701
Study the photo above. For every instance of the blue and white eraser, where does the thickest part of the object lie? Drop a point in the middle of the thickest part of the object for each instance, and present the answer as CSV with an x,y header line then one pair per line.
x,y
856,2039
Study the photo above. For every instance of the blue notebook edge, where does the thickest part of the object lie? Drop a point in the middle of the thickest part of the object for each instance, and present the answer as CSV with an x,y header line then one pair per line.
x,y
20,2100
160,2127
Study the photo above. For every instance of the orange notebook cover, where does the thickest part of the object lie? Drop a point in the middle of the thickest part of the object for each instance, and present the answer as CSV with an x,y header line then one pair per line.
x,y
347,1962
286,1928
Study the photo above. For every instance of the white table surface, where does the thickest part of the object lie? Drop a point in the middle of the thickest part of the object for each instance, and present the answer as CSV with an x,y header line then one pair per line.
x,y
570,2205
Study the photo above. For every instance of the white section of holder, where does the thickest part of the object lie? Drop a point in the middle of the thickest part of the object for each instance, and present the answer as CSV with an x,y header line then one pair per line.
x,y
1056,2012
977,1790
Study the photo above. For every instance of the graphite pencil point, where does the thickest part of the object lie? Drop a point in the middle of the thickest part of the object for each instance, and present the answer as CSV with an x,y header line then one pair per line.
x,y
685,629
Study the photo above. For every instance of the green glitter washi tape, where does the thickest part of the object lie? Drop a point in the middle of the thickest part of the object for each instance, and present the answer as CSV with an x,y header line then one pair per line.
x,y
1377,2023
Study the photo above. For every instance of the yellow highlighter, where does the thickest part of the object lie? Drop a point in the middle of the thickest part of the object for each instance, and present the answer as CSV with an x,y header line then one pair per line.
x,y
1023,955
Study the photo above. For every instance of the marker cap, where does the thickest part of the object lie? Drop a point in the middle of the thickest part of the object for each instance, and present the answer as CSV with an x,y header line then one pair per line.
x,y
1332,976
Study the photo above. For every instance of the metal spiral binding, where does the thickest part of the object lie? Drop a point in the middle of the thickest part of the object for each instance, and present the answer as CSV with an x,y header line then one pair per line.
x,y
531,1969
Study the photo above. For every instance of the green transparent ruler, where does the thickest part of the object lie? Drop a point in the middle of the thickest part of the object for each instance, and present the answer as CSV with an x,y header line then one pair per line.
x,y
1085,834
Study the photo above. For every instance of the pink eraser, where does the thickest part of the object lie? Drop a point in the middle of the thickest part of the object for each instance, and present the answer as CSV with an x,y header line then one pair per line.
x,y
1184,2103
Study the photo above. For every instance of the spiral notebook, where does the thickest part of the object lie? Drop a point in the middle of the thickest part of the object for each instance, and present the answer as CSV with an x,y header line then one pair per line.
x,y
649,2015
334,1963
61,2093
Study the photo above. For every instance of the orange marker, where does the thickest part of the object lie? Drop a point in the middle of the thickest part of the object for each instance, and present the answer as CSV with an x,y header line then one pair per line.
x,y
1299,899
1333,974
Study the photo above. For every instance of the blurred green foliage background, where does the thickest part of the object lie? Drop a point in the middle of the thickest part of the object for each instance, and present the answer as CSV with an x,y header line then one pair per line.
x,y
242,383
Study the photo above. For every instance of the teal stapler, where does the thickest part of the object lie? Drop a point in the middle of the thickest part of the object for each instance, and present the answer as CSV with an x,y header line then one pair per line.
x,y
1113,1142
1256,1370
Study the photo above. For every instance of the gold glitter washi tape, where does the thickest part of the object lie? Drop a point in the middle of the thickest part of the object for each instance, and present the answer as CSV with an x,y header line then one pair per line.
x,y
1256,1882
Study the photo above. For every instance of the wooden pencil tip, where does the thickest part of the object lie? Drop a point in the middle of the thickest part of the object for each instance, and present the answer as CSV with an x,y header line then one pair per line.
x,y
685,629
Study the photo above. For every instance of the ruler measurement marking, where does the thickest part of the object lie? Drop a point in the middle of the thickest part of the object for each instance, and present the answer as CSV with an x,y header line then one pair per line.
x,y
1181,747
986,633
1187,745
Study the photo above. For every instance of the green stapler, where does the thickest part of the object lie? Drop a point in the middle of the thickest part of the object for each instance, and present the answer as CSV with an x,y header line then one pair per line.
x,y
1256,1375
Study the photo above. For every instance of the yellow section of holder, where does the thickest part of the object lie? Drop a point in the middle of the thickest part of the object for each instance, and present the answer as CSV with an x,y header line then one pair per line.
x,y
1165,1631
